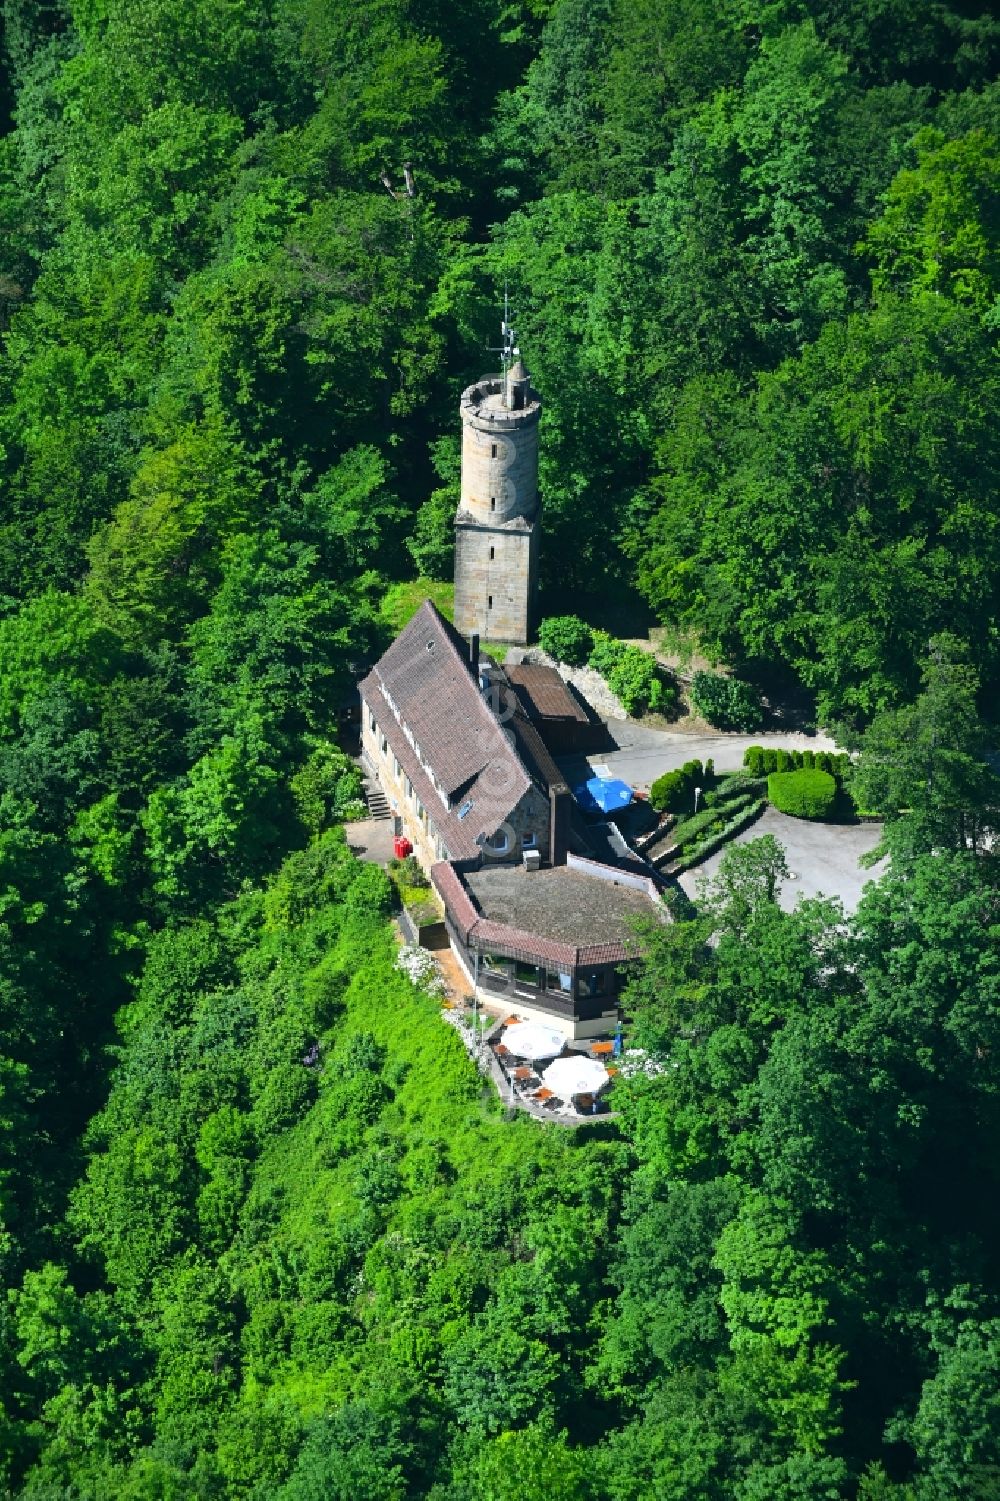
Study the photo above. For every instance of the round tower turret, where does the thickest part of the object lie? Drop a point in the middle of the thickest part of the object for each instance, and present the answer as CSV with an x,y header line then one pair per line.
x,y
497,525
500,447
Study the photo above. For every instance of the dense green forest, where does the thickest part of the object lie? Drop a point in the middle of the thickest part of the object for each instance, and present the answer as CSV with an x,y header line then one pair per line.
x,y
263,1233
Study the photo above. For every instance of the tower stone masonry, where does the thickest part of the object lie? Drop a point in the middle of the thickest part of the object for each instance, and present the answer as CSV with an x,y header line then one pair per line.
x,y
497,523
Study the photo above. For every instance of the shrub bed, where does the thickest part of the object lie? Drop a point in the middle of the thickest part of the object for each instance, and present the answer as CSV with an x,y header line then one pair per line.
x,y
804,793
410,882
741,781
727,703
692,828
633,675
715,841
567,638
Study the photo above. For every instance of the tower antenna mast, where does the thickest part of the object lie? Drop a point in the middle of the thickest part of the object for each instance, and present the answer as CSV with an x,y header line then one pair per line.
x,y
507,348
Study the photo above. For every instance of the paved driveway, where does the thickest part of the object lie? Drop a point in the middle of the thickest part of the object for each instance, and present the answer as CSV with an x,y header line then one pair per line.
x,y
644,754
823,857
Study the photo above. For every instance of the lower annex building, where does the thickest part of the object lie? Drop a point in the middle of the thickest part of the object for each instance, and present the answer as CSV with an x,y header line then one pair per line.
x,y
535,920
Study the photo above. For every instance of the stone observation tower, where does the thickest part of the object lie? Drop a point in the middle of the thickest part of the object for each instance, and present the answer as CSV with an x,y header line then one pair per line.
x,y
497,524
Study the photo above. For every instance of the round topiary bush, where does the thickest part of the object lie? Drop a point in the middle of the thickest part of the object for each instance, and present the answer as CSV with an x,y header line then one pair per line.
x,y
567,638
803,794
674,791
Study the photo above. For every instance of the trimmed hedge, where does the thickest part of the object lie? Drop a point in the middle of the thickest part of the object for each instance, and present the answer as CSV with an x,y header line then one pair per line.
x,y
804,793
674,791
761,760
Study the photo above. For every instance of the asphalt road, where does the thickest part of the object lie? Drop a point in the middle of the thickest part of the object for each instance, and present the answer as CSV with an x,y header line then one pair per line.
x,y
644,754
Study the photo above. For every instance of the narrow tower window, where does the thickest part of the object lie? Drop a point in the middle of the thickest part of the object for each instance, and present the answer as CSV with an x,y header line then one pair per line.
x,y
493,502
493,553
489,602
494,452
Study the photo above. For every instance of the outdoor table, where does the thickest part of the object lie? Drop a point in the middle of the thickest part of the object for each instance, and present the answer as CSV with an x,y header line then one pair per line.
x,y
523,1072
603,1049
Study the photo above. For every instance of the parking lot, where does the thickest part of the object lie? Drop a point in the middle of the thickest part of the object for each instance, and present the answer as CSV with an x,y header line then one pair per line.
x,y
822,857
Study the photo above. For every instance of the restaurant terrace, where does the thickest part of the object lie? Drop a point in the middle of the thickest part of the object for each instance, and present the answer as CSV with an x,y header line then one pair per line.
x,y
554,942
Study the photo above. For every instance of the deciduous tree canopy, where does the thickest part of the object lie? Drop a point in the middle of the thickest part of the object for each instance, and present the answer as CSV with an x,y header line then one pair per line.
x,y
263,1233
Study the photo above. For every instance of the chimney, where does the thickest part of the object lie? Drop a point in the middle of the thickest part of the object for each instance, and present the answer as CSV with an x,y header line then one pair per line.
x,y
474,654
560,811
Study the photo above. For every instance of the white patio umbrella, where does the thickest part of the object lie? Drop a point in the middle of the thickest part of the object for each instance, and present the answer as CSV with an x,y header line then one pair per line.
x,y
575,1075
532,1040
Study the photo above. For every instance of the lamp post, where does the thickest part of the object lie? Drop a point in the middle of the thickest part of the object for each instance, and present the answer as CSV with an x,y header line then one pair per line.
x,y
697,795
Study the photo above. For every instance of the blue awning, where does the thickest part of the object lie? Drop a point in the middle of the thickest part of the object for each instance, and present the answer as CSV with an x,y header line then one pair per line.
x,y
603,795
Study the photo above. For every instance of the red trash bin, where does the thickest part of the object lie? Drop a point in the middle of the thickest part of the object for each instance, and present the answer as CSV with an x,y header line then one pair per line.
x,y
401,847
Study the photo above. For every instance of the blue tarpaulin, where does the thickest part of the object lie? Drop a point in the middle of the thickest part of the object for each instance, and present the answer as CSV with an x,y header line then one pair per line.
x,y
603,795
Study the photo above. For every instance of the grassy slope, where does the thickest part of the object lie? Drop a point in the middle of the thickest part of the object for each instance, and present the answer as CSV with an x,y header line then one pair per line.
x,y
402,601
470,1182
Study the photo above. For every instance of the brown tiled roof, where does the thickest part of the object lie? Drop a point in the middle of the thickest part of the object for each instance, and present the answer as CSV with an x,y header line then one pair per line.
x,y
424,677
530,746
535,754
544,694
463,910
517,943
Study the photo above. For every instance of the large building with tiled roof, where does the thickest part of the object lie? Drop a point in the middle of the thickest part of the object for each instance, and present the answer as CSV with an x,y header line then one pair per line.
x,y
536,924
449,767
